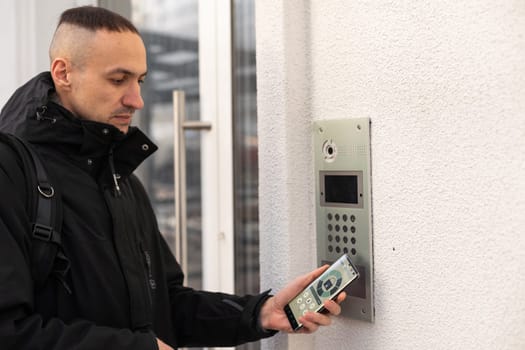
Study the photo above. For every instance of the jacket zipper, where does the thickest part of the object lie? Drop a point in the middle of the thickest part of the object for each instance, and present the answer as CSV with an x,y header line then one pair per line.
x,y
113,172
148,274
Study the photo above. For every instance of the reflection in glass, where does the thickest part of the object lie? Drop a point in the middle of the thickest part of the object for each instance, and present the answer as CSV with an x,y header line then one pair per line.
x,y
170,33
246,175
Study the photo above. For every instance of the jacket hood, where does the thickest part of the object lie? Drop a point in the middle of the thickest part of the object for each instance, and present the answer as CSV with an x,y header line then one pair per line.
x,y
24,103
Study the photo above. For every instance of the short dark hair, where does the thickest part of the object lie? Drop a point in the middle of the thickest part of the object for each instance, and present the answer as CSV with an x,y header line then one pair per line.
x,y
96,18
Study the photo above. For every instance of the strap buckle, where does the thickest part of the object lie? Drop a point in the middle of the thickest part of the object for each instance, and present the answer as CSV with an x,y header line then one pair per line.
x,y
42,232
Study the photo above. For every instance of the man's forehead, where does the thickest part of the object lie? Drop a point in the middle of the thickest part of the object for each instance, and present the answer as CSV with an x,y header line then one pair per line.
x,y
124,51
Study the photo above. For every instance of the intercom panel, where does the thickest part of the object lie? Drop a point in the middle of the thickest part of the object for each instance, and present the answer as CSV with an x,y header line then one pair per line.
x,y
343,205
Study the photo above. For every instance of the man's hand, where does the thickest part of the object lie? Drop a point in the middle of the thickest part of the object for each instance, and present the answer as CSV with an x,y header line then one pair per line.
x,y
162,345
272,312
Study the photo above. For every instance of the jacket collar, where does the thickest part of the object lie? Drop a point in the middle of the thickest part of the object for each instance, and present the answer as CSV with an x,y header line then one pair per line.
x,y
32,114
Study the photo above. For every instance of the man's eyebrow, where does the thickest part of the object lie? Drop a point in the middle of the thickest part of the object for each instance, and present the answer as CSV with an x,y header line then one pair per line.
x,y
126,71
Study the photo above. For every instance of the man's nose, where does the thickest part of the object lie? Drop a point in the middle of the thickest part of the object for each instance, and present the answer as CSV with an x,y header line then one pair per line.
x,y
133,98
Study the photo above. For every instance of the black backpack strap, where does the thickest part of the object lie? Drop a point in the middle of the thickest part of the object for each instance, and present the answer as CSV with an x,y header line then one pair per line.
x,y
45,210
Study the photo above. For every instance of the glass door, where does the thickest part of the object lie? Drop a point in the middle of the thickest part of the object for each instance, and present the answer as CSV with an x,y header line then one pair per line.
x,y
170,32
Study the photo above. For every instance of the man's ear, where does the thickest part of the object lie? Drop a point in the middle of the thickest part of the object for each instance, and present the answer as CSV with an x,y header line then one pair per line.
x,y
60,72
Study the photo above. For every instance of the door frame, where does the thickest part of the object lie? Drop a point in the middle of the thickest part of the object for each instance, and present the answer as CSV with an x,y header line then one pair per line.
x,y
215,80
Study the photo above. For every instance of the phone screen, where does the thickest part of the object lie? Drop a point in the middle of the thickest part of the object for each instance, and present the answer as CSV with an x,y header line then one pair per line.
x,y
327,286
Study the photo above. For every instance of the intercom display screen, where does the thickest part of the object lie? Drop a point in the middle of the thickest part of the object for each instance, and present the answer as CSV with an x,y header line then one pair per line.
x,y
341,189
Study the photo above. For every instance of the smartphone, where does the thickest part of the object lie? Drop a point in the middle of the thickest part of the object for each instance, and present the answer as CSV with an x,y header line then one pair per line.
x,y
327,286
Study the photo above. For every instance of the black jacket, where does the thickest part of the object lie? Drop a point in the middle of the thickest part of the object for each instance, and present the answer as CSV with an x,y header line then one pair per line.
x,y
126,287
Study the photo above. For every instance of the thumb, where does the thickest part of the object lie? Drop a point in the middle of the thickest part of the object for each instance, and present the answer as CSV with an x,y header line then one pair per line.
x,y
162,345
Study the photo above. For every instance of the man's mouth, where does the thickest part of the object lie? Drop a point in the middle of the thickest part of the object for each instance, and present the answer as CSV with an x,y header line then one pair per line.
x,y
122,118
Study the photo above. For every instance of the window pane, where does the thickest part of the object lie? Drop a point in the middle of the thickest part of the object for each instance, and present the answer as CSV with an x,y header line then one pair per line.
x,y
246,176
170,33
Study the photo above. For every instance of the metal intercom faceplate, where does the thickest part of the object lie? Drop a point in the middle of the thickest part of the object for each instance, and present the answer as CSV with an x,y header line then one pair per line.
x,y
343,205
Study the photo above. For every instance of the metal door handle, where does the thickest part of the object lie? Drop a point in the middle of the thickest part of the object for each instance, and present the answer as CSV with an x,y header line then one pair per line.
x,y
180,125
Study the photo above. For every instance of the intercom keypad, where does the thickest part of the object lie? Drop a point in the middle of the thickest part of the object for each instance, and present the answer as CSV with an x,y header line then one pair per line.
x,y
340,230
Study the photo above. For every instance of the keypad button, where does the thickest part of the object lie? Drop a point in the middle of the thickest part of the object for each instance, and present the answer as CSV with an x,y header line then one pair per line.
x,y
352,218
352,229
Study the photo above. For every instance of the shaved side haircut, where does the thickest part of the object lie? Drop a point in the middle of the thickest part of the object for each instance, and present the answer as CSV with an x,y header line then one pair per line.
x,y
77,26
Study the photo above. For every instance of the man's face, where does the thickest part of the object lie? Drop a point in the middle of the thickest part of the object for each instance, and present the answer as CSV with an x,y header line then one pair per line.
x,y
105,87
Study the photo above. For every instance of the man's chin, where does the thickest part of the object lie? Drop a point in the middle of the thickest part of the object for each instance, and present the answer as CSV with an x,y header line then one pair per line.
x,y
124,128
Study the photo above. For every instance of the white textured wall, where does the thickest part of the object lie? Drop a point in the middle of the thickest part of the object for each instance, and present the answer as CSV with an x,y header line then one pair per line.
x,y
26,29
8,59
444,85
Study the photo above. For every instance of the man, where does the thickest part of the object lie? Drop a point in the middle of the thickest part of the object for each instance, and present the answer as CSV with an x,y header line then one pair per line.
x,y
124,288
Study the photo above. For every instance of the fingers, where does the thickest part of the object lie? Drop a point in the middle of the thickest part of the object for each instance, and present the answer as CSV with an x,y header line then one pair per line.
x,y
332,307
162,346
297,285
340,298
313,320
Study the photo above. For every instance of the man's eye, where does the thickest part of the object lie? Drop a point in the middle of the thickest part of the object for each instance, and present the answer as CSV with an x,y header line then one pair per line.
x,y
141,81
118,81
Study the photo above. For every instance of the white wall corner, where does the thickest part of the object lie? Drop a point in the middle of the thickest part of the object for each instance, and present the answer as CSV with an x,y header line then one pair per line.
x,y
285,157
